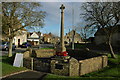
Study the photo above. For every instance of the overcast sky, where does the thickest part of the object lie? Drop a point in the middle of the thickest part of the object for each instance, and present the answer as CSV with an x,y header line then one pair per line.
x,y
53,16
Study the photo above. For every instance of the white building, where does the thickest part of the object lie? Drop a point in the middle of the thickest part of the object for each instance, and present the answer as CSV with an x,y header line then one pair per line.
x,y
34,38
20,38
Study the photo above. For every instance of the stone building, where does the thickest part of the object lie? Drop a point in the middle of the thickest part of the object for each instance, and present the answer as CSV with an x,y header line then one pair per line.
x,y
100,36
50,38
69,36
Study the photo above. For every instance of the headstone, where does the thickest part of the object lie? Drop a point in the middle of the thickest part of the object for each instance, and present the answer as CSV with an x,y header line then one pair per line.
x,y
18,61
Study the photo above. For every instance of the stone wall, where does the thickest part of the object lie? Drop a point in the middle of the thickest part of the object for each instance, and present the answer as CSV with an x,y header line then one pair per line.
x,y
38,64
39,53
59,67
73,67
92,64
44,53
41,59
42,64
66,67
27,63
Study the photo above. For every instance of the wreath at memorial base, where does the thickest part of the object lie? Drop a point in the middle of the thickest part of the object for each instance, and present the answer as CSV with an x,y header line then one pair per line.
x,y
62,53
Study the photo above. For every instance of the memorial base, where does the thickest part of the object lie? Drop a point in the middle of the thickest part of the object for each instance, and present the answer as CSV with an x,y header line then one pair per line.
x,y
60,49
66,66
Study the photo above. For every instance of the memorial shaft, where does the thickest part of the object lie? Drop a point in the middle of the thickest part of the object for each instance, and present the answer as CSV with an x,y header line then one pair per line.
x,y
62,28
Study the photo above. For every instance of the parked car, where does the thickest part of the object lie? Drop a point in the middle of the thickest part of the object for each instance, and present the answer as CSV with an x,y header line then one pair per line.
x,y
25,45
5,46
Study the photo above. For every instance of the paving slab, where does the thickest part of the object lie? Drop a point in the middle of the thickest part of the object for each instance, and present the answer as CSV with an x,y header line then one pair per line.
x,y
29,75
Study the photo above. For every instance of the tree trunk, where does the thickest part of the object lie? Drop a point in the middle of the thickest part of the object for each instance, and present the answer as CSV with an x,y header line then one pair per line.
x,y
85,40
111,48
10,48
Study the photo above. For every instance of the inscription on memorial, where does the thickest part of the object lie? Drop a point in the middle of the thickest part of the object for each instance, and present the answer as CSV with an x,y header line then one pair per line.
x,y
58,66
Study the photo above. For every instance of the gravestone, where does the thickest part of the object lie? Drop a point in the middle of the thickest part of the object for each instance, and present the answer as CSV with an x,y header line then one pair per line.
x,y
18,61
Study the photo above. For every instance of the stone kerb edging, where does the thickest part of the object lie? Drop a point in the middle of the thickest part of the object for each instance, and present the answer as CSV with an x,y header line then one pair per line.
x,y
15,73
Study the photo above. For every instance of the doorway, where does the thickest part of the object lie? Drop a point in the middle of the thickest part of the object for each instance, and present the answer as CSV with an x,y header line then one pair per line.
x,y
18,42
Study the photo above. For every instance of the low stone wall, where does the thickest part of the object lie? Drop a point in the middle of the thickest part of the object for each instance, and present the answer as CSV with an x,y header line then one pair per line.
x,y
92,64
27,63
42,64
59,67
41,53
74,66
38,64
41,59
66,67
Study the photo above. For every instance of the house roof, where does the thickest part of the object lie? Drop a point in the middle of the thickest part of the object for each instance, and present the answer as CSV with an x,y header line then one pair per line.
x,y
48,35
103,32
30,33
72,33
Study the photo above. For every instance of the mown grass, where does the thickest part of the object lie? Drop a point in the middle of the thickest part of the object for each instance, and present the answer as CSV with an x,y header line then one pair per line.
x,y
8,69
57,77
46,48
113,61
111,72
7,66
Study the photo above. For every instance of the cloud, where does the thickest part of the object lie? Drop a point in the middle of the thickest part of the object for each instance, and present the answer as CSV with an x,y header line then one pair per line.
x,y
53,17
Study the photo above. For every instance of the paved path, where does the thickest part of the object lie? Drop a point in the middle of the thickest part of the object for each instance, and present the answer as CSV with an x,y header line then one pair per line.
x,y
21,50
17,50
29,75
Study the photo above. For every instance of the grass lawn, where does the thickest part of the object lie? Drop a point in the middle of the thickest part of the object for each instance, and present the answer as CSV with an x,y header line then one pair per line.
x,y
7,66
8,69
57,77
111,72
46,48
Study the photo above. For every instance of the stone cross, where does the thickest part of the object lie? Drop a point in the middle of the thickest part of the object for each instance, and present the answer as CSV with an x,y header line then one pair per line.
x,y
62,29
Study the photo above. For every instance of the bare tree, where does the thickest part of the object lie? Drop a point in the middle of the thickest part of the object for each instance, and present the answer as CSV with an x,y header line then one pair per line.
x,y
84,33
18,15
105,15
85,30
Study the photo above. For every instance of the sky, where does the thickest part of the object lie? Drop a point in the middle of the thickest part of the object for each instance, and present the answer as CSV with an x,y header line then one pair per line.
x,y
53,16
